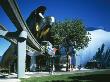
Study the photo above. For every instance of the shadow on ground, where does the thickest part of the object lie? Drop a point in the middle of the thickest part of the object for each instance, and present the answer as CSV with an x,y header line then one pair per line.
x,y
87,78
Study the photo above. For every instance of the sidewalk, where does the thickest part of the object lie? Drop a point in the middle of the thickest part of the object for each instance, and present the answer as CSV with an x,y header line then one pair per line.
x,y
13,77
10,78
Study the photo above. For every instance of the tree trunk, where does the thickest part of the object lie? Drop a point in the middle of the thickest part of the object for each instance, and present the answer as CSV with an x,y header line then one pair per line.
x,y
67,62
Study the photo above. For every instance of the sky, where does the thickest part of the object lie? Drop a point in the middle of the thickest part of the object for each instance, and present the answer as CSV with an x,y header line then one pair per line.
x,y
93,13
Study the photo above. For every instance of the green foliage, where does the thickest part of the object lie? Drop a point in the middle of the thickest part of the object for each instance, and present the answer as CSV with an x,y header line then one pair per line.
x,y
99,53
106,58
8,57
71,32
103,56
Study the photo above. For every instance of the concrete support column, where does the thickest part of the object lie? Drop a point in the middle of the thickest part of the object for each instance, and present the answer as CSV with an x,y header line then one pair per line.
x,y
22,54
33,63
21,45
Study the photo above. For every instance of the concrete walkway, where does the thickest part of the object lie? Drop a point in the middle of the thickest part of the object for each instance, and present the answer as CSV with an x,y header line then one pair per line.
x,y
9,78
13,77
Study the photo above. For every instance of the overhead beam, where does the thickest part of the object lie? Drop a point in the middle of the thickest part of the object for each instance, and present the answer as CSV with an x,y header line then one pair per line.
x,y
14,41
13,12
2,28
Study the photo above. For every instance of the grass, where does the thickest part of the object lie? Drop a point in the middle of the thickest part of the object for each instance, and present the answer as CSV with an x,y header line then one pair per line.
x,y
103,76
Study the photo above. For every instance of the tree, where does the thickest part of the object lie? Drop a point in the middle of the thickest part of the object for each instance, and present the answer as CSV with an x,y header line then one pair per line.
x,y
106,58
103,56
99,53
70,33
9,57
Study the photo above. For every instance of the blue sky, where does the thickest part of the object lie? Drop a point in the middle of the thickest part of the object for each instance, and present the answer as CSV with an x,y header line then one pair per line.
x,y
94,13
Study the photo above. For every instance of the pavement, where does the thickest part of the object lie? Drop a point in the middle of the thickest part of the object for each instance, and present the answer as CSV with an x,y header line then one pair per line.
x,y
13,77
9,78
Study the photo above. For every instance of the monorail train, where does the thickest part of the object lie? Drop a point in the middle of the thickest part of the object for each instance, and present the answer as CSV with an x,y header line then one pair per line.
x,y
40,25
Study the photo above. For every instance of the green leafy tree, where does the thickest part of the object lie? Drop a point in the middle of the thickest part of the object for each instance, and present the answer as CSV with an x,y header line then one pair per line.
x,y
99,53
103,56
9,57
70,33
106,58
